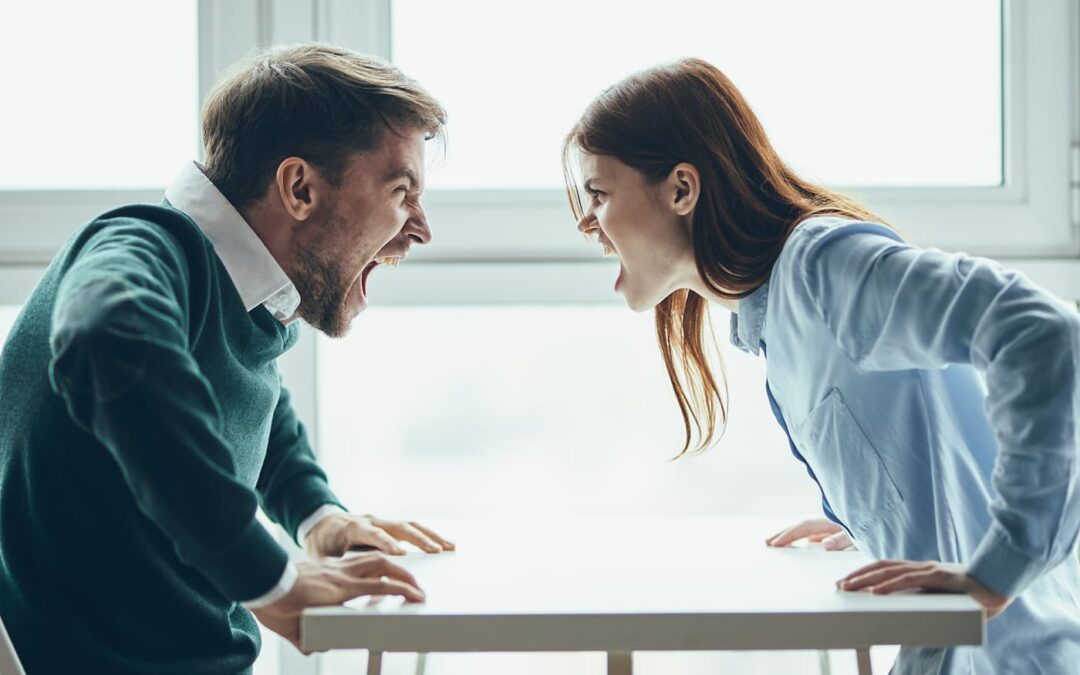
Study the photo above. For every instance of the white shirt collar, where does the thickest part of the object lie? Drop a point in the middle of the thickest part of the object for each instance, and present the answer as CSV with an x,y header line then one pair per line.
x,y
253,270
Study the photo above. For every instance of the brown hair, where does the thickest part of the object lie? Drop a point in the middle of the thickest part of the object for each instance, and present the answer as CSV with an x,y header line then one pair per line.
x,y
750,201
315,101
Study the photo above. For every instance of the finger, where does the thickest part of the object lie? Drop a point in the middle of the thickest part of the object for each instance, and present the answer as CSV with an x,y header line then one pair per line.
x,y
413,535
867,568
386,586
772,541
877,576
375,536
801,531
376,565
930,580
837,542
446,544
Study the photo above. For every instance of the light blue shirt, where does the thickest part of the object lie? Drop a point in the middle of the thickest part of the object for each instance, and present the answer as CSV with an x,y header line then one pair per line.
x,y
935,399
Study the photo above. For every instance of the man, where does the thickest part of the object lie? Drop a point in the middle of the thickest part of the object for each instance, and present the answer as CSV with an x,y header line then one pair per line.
x,y
142,419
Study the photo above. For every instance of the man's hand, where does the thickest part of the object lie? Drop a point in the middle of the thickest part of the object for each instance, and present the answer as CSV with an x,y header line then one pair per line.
x,y
889,576
332,582
335,534
831,535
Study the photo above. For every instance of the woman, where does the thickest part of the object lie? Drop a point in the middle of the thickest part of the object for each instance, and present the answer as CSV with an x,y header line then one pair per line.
x,y
874,350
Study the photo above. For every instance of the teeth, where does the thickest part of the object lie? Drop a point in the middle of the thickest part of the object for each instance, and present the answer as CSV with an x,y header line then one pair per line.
x,y
392,261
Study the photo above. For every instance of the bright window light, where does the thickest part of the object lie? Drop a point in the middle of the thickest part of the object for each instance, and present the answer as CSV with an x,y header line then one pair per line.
x,y
101,95
536,412
855,94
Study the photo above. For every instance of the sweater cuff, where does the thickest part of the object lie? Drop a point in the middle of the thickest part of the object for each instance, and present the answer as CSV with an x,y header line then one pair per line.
x,y
248,567
997,565
279,591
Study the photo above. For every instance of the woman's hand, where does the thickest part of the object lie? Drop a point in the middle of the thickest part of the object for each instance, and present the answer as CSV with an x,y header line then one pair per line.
x,y
831,536
889,576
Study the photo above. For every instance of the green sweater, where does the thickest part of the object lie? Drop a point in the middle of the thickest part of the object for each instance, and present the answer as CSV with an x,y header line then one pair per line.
x,y
142,421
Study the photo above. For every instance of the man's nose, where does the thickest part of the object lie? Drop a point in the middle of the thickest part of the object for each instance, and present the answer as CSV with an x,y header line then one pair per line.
x,y
416,227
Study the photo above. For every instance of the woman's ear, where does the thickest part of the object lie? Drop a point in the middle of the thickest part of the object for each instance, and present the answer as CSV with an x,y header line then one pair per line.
x,y
684,184
298,187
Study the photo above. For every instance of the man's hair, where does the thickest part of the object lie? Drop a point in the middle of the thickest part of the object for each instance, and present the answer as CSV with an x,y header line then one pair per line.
x,y
318,102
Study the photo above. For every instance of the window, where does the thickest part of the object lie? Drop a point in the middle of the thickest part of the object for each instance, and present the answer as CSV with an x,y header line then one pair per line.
x,y
543,410
860,94
108,96
958,130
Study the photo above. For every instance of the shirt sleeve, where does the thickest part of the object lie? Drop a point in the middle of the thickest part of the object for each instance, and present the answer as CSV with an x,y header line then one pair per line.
x,y
893,306
291,485
122,365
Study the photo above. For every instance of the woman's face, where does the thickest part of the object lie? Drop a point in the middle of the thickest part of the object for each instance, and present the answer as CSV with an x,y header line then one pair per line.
x,y
646,225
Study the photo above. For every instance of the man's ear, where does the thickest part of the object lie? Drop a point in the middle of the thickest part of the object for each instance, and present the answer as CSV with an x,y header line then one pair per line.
x,y
684,186
299,187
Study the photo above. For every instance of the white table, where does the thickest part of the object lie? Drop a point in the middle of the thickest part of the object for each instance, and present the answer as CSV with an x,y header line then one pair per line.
x,y
619,586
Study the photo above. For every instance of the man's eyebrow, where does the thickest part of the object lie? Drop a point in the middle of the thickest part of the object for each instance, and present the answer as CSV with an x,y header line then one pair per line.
x,y
403,173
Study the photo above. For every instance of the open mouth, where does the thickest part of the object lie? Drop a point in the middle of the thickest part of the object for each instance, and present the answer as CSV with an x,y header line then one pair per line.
x,y
389,261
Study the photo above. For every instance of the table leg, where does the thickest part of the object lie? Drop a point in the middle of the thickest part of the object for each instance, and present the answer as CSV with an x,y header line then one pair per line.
x,y
421,664
374,663
824,664
620,663
863,658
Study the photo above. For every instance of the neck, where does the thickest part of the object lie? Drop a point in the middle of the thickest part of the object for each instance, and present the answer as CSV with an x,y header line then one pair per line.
x,y
275,234
693,281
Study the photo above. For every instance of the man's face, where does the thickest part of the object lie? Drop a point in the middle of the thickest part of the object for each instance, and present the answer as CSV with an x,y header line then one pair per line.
x,y
372,218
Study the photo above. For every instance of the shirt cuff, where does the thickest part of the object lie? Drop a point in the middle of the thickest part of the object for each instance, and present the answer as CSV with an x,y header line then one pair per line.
x,y
1000,567
311,521
279,591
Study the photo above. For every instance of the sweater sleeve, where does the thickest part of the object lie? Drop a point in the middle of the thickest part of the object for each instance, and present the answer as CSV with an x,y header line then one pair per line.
x,y
292,485
893,306
122,364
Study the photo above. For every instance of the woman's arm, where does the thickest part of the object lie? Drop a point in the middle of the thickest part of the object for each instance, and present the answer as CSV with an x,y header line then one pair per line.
x,y
892,306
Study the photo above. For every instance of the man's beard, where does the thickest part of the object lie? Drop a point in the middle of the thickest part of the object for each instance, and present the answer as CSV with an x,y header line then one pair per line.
x,y
323,284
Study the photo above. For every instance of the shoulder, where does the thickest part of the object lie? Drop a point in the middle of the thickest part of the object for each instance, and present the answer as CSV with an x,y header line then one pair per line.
x,y
820,235
147,236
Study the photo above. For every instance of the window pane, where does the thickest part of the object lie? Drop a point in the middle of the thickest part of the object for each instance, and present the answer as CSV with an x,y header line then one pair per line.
x,y
536,411
850,92
104,95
